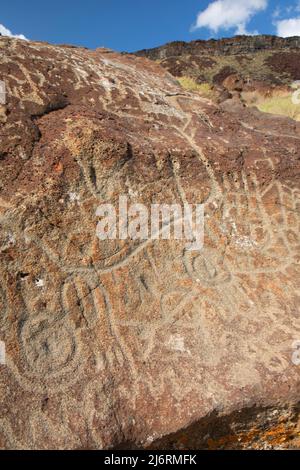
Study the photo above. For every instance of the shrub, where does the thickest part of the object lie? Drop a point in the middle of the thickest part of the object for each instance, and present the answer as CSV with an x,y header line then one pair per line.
x,y
190,84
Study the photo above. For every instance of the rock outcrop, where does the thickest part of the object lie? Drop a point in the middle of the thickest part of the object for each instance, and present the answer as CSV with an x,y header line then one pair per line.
x,y
124,343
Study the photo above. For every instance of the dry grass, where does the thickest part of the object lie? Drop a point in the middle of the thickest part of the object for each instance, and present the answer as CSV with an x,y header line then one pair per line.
x,y
281,105
205,89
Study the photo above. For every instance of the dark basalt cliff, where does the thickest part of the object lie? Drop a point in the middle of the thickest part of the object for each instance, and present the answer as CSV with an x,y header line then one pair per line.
x,y
231,46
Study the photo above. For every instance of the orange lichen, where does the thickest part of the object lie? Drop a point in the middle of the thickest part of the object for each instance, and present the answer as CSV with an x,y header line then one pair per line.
x,y
276,436
279,434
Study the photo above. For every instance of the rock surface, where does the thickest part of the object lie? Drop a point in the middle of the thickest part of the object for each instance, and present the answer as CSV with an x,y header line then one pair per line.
x,y
142,343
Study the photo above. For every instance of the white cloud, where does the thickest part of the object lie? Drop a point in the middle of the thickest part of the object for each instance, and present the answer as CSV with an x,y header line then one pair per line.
x,y
288,28
228,14
6,32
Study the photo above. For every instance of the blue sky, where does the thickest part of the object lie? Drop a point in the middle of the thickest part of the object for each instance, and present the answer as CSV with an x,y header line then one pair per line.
x,y
128,25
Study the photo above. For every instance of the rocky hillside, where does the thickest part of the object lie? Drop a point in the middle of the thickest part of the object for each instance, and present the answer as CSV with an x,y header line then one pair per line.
x,y
269,59
254,71
142,342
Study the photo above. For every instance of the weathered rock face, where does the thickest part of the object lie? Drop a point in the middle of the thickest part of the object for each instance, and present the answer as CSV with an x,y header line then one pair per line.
x,y
268,59
125,342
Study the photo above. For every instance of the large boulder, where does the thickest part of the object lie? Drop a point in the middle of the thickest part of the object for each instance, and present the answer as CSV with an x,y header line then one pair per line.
x,y
142,342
